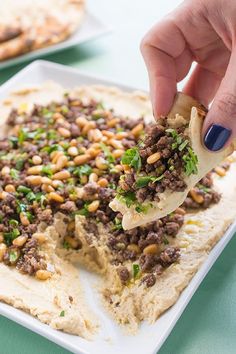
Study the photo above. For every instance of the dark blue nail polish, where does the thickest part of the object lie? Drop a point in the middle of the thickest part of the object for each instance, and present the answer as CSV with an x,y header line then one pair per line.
x,y
216,137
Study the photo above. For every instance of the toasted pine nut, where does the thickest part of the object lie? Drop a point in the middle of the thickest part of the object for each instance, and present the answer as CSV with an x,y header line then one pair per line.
x,y
83,179
93,206
71,226
57,183
103,182
3,195
108,134
1,237
73,142
61,162
81,159
3,249
24,220
137,130
64,132
40,237
57,116
93,177
121,135
87,127
93,152
63,123
151,249
34,170
220,171
57,155
46,180
47,188
96,146
127,168
112,123
101,163
196,197
70,163
134,248
73,242
153,158
64,174
81,121
10,188
95,135
80,192
19,241
55,197
43,274
118,153
37,160
116,144
34,180
73,151
5,170
180,211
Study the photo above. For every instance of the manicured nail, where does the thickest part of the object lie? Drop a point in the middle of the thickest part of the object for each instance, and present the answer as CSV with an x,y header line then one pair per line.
x,y
216,137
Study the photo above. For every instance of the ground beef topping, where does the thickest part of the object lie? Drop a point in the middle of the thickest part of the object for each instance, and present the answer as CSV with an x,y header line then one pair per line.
x,y
69,157
162,159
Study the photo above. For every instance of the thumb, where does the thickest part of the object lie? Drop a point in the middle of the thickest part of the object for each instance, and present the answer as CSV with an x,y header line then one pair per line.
x,y
219,127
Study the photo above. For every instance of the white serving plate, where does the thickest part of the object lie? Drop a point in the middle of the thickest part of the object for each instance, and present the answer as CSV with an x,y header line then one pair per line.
x,y
90,28
111,339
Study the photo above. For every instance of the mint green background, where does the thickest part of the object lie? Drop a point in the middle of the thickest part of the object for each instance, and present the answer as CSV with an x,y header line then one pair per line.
x,y
208,325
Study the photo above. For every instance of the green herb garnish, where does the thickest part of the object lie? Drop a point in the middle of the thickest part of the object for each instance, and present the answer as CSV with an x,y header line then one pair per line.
x,y
62,314
23,189
190,162
128,198
107,153
66,245
143,181
14,173
47,170
136,270
13,256
132,158
10,236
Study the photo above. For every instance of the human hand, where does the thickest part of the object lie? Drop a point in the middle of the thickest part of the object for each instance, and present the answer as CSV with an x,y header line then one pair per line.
x,y
203,31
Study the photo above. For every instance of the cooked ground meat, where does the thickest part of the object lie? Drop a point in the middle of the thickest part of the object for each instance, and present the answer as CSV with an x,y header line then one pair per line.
x,y
149,280
123,274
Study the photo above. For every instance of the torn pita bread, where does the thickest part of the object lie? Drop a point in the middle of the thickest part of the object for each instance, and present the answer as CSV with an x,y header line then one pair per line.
x,y
25,27
185,109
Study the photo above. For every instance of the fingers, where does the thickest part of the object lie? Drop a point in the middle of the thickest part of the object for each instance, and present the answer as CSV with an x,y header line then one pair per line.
x,y
220,124
167,61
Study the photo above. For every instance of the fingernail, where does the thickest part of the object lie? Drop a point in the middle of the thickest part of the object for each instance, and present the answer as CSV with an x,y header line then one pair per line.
x,y
216,137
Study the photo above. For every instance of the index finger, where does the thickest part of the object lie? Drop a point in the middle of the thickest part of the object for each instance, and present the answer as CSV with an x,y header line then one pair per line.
x,y
167,61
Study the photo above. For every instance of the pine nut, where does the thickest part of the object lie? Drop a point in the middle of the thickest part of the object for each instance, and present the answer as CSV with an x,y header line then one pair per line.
x,y
43,274
196,197
153,158
118,153
81,121
73,142
5,170
10,188
120,168
93,206
37,160
19,241
93,177
108,134
112,123
95,135
62,175
93,152
46,180
71,226
64,132
73,242
34,170
83,179
151,249
81,159
34,180
61,162
24,220
134,248
101,163
73,151
57,116
96,146
56,183
55,197
80,192
220,171
127,168
121,135
3,249
3,195
1,237
40,237
56,156
180,211
137,130
103,182
47,188
116,144
87,127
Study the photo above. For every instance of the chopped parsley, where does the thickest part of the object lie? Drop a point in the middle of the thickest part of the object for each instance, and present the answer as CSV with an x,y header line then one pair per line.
x,y
23,189
84,170
47,170
107,153
62,314
143,181
132,158
14,173
136,270
13,256
10,236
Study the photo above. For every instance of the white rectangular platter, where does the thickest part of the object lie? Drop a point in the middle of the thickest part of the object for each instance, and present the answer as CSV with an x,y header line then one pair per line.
x,y
111,339
90,28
